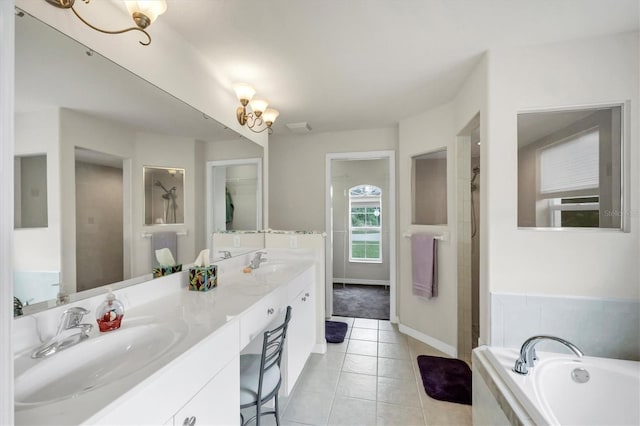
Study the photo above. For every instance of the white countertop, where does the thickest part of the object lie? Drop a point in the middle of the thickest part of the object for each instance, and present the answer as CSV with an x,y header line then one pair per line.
x,y
204,313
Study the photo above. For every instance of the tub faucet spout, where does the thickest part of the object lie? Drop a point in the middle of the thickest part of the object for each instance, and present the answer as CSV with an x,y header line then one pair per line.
x,y
528,353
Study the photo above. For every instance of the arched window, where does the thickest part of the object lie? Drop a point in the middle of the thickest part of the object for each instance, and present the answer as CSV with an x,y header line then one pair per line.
x,y
365,224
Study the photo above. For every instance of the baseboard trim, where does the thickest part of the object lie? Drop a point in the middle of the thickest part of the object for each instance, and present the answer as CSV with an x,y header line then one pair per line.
x,y
359,281
441,346
319,348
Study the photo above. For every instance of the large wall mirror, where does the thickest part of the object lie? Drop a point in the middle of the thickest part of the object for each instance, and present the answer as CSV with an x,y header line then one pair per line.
x,y
570,168
98,126
429,188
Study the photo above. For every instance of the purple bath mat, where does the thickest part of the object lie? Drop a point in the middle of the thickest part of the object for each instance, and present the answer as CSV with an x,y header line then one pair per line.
x,y
446,379
335,331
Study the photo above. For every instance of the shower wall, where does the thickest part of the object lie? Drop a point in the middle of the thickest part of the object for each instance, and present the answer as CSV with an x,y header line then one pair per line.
x,y
99,225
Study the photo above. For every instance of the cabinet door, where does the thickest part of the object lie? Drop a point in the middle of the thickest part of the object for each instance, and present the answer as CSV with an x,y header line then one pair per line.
x,y
217,403
300,336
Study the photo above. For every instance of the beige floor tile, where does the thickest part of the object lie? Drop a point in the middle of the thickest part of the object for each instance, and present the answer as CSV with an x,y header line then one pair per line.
x,y
391,336
354,385
393,350
448,414
352,412
365,323
348,320
418,348
318,381
309,408
338,347
362,347
360,364
329,361
386,325
364,334
398,391
395,368
398,415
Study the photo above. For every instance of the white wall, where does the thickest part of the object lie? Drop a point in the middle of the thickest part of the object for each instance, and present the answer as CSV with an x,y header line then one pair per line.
x,y
436,320
598,263
151,149
297,172
436,317
81,130
38,249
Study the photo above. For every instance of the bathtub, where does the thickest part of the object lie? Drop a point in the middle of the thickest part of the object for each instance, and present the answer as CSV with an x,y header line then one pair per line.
x,y
564,390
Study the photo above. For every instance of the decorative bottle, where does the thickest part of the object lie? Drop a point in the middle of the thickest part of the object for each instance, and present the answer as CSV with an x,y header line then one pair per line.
x,y
109,314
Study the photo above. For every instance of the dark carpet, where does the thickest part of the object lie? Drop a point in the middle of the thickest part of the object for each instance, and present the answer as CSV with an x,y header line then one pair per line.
x,y
335,331
446,379
361,301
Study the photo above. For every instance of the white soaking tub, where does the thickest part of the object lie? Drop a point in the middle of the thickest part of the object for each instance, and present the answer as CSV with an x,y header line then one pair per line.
x,y
564,390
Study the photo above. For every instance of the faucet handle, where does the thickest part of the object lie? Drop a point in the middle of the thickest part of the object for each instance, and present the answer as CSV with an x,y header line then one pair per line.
x,y
72,317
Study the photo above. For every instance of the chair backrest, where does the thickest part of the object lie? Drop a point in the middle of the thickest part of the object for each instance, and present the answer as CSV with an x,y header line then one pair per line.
x,y
272,346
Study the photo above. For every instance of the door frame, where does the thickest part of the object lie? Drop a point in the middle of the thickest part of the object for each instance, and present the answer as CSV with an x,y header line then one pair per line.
x,y
390,217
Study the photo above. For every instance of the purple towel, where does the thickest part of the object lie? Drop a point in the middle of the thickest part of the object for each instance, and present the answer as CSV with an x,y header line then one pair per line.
x,y
424,265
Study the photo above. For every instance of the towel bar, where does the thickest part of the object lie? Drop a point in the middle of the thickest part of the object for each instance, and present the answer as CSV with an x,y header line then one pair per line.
x,y
149,234
442,237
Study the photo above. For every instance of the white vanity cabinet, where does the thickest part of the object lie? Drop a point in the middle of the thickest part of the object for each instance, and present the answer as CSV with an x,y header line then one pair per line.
x,y
301,332
261,316
214,404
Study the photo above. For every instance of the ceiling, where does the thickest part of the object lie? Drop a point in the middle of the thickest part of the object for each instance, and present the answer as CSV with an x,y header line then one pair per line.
x,y
369,63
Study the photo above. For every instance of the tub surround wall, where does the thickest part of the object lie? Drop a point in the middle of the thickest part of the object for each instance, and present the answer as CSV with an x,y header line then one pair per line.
x,y
601,327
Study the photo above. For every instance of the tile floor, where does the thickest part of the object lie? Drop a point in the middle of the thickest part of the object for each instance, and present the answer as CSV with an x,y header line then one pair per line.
x,y
369,379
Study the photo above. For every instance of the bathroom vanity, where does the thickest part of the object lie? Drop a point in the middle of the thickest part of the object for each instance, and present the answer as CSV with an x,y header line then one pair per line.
x,y
175,360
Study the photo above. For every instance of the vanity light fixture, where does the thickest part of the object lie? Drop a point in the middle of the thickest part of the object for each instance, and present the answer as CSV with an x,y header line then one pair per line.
x,y
143,12
260,117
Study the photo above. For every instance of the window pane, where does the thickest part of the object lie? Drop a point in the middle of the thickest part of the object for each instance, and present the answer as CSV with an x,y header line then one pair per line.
x,y
580,218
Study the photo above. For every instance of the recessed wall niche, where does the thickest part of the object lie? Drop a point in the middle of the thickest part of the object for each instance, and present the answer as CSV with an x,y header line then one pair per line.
x,y
429,188
163,195
30,199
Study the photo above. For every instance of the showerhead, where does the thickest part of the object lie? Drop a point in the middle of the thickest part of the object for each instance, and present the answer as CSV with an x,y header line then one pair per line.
x,y
476,172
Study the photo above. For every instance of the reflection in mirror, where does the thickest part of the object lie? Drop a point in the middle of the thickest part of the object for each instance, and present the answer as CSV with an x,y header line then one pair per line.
x,y
234,195
570,168
163,195
30,191
429,188
107,113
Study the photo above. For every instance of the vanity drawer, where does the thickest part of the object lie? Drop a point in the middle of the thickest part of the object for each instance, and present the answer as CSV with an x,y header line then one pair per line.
x,y
300,283
265,312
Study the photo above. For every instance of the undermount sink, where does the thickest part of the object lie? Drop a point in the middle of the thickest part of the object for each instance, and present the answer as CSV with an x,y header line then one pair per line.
x,y
272,272
97,361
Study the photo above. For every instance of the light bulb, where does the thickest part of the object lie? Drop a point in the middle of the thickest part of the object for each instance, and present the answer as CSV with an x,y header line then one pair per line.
x,y
244,92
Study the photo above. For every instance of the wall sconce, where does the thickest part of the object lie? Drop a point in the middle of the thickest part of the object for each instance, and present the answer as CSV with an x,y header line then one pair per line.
x,y
143,12
259,115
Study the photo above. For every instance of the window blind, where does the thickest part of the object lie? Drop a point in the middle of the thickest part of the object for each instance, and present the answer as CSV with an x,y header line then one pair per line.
x,y
571,165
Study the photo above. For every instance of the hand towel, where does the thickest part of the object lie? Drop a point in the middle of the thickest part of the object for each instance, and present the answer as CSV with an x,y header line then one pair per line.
x,y
160,240
424,265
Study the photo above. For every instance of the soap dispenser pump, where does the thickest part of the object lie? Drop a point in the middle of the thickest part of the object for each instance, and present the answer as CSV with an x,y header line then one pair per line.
x,y
109,314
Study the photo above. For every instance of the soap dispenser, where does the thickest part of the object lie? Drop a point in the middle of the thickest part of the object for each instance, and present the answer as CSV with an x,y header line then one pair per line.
x,y
109,314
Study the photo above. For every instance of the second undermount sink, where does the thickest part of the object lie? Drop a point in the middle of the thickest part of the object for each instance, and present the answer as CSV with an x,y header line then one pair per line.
x,y
98,361
272,272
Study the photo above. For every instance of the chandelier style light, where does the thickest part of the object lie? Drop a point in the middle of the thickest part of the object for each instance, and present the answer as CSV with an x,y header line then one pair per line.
x,y
143,12
259,118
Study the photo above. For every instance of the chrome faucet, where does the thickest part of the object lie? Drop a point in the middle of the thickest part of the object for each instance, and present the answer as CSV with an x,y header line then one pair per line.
x,y
70,332
257,260
528,356
226,254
